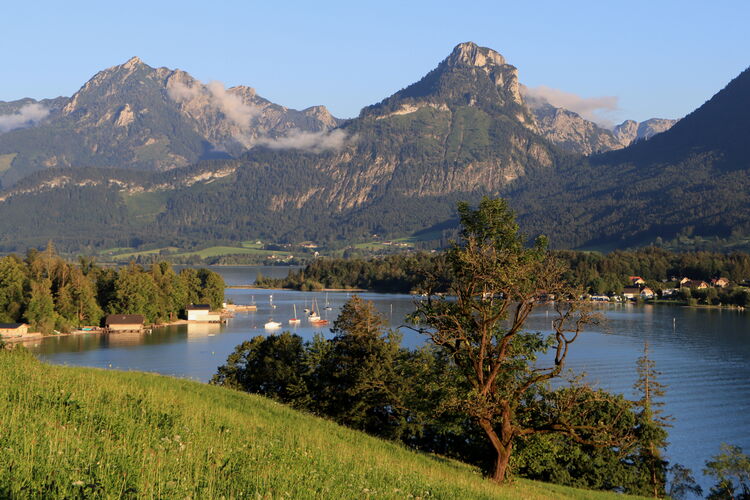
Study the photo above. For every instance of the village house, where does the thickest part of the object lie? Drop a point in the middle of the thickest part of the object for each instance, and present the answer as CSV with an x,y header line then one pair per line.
x,y
124,322
699,284
202,313
13,329
720,282
669,292
636,280
634,292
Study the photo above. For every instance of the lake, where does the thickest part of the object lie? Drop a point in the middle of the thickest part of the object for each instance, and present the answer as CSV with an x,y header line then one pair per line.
x,y
703,354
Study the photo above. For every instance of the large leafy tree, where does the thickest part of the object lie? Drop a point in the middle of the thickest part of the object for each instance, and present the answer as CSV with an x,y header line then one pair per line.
x,y
12,283
359,380
496,284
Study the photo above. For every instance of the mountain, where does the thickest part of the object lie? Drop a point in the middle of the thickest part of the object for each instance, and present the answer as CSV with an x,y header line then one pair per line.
x,y
630,131
571,132
138,117
461,132
689,183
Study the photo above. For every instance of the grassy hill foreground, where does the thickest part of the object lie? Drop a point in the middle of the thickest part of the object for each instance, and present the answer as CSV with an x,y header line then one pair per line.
x,y
84,432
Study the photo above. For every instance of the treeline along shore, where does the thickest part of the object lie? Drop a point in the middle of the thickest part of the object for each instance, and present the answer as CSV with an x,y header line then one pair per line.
x,y
51,294
598,274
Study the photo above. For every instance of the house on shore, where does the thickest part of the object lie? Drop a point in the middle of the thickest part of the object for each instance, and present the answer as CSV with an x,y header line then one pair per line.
x,y
720,282
13,329
124,323
634,292
202,313
636,280
699,284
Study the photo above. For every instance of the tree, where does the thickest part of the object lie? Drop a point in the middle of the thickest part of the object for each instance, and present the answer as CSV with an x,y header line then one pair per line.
x,y
41,310
272,366
496,284
682,483
212,288
358,380
12,283
651,431
731,468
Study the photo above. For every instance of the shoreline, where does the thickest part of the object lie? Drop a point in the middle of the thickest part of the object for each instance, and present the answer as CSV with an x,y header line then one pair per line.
x,y
255,287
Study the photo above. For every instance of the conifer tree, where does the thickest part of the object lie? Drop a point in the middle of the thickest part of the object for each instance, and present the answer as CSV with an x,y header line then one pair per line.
x,y
652,424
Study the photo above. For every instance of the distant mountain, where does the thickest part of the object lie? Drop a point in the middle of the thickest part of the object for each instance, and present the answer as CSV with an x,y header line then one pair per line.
x,y
631,131
136,116
573,133
461,132
692,180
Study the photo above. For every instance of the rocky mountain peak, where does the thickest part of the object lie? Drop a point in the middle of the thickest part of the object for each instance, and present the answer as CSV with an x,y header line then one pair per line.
x,y
471,54
132,62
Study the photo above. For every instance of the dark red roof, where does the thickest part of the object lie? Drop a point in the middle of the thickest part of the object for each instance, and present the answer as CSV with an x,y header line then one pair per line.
x,y
124,319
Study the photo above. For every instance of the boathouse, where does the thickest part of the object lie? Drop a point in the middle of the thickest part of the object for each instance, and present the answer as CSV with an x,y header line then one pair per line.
x,y
13,329
124,322
195,312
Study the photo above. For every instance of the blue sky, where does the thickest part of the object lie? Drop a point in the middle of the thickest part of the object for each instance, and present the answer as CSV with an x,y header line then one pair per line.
x,y
659,58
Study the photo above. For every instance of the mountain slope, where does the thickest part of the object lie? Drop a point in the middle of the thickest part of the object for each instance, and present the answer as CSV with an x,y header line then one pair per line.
x,y
136,116
693,179
461,132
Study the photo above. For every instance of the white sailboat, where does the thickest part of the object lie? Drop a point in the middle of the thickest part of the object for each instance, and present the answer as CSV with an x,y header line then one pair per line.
x,y
295,320
312,315
328,306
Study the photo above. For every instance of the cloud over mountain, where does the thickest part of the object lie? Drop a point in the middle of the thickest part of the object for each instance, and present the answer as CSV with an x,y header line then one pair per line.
x,y
594,109
27,116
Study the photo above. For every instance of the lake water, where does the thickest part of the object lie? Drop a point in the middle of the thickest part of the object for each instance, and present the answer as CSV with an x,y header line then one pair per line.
x,y
703,354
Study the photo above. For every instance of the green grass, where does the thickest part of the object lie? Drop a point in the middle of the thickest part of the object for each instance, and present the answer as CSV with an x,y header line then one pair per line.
x,y
143,253
218,251
215,251
144,207
83,432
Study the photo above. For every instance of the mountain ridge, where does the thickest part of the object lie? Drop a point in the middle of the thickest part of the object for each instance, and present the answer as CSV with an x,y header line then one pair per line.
x,y
461,132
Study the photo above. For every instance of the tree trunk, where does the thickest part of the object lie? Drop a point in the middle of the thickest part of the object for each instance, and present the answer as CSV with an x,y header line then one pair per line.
x,y
503,448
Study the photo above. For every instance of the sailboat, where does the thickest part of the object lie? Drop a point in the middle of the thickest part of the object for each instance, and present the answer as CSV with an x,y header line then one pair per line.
x,y
295,320
328,306
312,315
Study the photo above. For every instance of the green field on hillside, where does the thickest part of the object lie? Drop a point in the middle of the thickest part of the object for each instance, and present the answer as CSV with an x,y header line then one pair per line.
x,y
83,432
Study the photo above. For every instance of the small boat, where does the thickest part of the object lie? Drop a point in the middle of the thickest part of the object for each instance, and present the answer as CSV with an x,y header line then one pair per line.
x,y
295,320
319,322
272,325
312,315
328,306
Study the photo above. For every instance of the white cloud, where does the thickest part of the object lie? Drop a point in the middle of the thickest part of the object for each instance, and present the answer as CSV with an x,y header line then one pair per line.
x,y
215,95
232,106
28,116
595,109
308,141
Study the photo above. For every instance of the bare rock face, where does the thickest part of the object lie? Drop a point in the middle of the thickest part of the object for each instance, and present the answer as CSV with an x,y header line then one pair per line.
x,y
571,132
574,134
492,63
631,131
138,117
626,133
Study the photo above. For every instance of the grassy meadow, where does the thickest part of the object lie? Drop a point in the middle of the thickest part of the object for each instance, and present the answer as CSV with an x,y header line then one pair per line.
x,y
82,432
